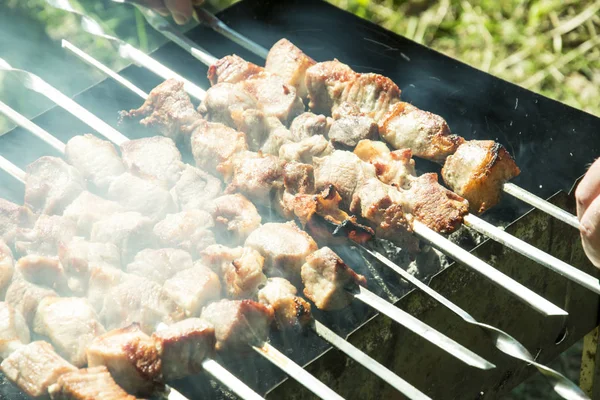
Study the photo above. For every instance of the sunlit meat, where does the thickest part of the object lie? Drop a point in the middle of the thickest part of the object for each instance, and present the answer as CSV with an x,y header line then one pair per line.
x,y
102,279
43,271
193,288
96,159
188,230
299,178
169,110
14,332
278,135
347,130
477,171
155,158
87,384
12,218
426,134
328,280
290,310
46,236
244,274
158,265
309,124
131,357
235,217
238,323
7,268
131,232
275,97
141,195
52,184
393,167
259,177
195,189
88,209
284,247
305,150
183,347
70,323
289,62
233,69
25,297
34,367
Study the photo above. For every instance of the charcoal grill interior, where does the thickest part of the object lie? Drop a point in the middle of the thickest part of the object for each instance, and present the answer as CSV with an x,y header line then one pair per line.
x,y
552,143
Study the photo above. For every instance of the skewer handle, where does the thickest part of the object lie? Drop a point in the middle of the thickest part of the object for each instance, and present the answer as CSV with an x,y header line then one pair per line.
x,y
221,374
13,170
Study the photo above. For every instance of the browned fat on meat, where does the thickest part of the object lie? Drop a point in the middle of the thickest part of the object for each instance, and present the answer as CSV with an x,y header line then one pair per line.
x,y
291,311
87,384
477,171
232,69
34,367
291,63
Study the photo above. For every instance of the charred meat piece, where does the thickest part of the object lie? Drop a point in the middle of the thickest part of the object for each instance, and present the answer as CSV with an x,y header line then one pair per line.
x,y
308,124
88,209
88,383
291,311
70,323
34,367
131,357
25,297
233,69
405,126
393,167
259,177
52,184
158,265
155,158
46,236
188,230
275,98
290,63
43,271
238,323
193,288
12,218
235,217
348,130
183,346
168,109
14,332
96,159
195,189
305,150
477,171
327,280
284,247
7,268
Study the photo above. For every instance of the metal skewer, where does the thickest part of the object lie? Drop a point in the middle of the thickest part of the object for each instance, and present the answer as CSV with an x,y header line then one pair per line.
x,y
13,170
221,374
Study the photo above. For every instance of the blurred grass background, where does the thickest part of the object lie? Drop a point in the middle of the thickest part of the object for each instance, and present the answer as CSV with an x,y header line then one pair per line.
x,y
549,46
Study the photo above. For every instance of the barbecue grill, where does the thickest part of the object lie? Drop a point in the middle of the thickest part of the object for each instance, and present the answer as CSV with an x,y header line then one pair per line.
x,y
552,143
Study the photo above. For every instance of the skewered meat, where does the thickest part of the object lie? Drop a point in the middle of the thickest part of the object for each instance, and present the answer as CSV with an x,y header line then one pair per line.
x,y
284,247
43,271
97,160
183,347
88,209
244,274
405,126
235,217
168,108
25,297
290,310
52,184
477,171
131,357
327,280
102,279
70,323
158,265
141,195
155,158
46,236
257,176
299,178
256,125
233,69
130,231
7,268
291,63
187,230
305,150
12,218
278,136
238,323
348,130
14,332
195,189
86,384
309,124
34,367
193,288
393,167
275,98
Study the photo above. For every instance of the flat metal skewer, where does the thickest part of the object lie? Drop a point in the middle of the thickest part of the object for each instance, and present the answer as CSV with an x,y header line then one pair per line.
x,y
13,170
221,374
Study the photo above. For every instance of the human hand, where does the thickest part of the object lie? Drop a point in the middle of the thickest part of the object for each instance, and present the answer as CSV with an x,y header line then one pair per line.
x,y
181,10
588,212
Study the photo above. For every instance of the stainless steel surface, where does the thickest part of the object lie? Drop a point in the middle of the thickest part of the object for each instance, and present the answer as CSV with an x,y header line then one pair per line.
x,y
221,374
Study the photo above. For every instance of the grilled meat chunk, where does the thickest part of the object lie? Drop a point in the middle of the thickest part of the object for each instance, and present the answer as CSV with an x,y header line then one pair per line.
x,y
183,347
477,171
305,150
14,332
7,268
275,98
405,126
290,310
193,288
244,274
213,146
12,218
34,367
308,124
327,280
70,323
46,236
187,230
259,177
155,158
195,189
96,159
278,135
168,109
393,167
131,357
88,209
158,265
43,271
299,178
348,130
233,69
284,247
290,63
52,184
235,217
225,103
86,384
238,323
25,297
102,279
